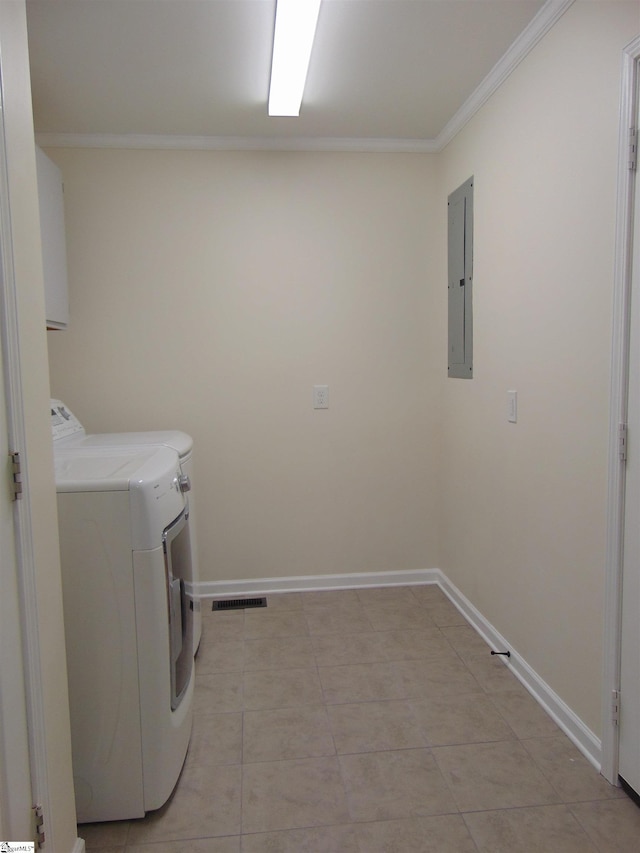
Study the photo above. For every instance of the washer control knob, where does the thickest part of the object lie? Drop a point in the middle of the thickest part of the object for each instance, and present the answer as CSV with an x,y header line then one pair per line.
x,y
184,482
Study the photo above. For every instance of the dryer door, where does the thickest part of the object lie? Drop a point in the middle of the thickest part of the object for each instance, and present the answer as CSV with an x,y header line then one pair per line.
x,y
177,557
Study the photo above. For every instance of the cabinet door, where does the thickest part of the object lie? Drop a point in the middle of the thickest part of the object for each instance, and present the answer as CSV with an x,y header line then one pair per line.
x,y
54,250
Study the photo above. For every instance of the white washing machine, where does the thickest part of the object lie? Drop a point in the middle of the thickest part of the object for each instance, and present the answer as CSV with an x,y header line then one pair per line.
x,y
68,431
125,556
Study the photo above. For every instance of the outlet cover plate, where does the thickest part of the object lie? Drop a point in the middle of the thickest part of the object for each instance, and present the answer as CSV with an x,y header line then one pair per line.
x,y
320,396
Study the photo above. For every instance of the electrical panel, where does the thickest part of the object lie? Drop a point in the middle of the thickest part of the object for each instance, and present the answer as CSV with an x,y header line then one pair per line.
x,y
460,251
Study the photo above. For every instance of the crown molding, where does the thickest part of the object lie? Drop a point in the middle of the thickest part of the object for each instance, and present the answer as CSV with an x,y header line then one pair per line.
x,y
232,143
526,41
537,28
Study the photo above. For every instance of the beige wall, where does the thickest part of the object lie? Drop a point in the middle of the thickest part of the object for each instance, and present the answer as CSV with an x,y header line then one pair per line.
x,y
40,492
210,291
523,505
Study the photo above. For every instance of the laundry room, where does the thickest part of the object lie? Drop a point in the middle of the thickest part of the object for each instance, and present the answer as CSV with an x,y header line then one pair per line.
x,y
215,280
210,291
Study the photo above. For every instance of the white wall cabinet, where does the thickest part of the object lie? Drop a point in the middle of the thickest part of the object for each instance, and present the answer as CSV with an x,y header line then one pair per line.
x,y
54,249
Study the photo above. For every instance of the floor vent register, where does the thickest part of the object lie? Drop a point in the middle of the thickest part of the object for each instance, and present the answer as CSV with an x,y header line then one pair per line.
x,y
239,603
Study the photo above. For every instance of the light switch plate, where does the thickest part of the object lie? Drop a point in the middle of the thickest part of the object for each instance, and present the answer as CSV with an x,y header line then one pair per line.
x,y
512,406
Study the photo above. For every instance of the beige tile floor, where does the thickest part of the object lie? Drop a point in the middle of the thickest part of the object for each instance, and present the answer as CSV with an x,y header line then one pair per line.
x,y
369,721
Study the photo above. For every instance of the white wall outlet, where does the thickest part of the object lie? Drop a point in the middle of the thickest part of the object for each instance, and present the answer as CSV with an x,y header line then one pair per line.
x,y
320,396
512,406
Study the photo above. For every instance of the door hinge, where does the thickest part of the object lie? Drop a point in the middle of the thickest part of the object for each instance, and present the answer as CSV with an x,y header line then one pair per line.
x,y
38,826
633,148
16,475
615,707
622,442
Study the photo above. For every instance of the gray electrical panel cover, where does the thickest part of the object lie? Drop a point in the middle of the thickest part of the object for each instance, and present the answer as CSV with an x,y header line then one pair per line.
x,y
460,247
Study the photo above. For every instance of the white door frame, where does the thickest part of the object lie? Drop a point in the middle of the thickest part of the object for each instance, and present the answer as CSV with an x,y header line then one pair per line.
x,y
26,605
618,409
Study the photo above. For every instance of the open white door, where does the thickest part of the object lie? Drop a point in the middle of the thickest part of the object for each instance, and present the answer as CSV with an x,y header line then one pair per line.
x,y
629,743
15,778
35,749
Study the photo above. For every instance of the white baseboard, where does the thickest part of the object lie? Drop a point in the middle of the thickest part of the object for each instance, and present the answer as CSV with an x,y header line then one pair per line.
x,y
569,722
310,583
575,729
79,846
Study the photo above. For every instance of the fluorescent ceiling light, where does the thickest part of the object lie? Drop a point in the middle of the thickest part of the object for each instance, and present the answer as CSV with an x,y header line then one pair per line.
x,y
292,42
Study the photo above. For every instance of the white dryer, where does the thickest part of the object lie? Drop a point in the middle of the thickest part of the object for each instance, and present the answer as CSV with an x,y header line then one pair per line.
x,y
68,431
125,556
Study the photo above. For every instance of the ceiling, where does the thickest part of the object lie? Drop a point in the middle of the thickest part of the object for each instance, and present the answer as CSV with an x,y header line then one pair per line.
x,y
381,70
